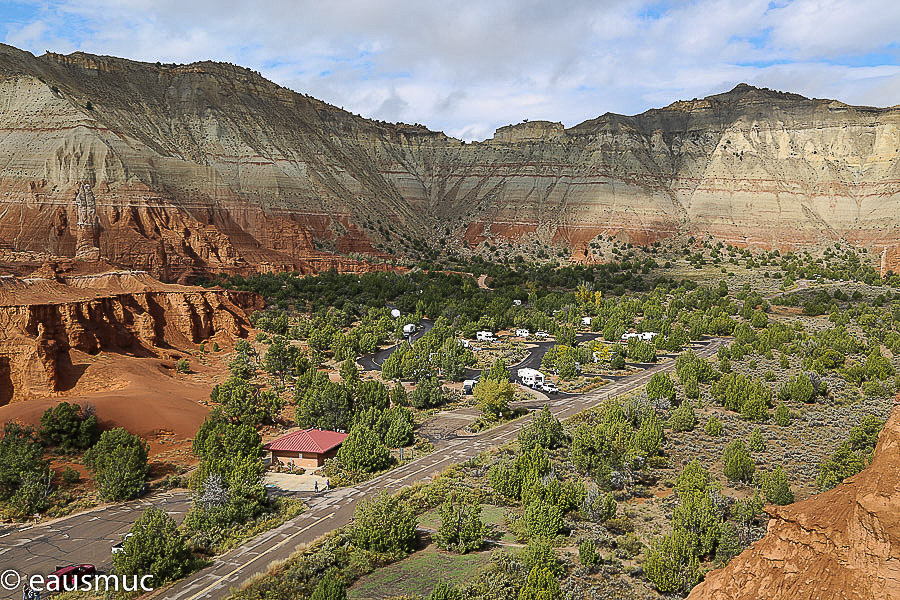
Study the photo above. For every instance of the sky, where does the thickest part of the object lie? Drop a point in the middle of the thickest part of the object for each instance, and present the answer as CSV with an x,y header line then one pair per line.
x,y
468,67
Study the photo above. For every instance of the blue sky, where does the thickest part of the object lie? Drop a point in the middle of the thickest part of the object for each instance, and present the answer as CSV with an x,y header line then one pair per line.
x,y
468,67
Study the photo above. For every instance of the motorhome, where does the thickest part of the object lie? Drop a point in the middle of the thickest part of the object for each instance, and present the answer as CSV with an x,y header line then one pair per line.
x,y
485,336
468,386
647,336
522,333
530,377
409,329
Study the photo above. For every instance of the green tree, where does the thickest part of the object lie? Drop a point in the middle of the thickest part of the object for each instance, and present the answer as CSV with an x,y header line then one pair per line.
x,y
544,430
461,529
444,591
671,564
349,373
775,486
156,547
498,371
119,463
661,387
737,464
385,524
493,397
756,443
428,394
330,587
24,474
540,585
543,519
68,427
798,388
683,418
782,415
714,427
363,451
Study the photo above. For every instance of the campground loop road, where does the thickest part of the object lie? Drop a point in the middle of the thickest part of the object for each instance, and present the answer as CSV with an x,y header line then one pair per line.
x,y
88,536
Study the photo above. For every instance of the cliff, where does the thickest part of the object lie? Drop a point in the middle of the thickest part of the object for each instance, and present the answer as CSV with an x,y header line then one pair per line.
x,y
46,322
843,544
208,167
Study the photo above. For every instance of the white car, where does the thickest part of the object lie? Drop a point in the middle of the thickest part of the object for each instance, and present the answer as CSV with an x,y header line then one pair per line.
x,y
120,547
542,334
549,388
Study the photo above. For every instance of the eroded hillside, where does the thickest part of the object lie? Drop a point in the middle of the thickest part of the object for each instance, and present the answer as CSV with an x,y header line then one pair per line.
x,y
208,167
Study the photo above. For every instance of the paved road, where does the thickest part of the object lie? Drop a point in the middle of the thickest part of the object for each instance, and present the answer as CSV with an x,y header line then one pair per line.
x,y
88,536
83,538
335,509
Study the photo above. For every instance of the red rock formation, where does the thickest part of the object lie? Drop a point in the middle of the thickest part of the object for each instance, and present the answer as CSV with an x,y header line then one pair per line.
x,y
43,321
843,544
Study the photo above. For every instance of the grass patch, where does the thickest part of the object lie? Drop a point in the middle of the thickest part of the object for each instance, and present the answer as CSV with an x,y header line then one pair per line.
x,y
416,575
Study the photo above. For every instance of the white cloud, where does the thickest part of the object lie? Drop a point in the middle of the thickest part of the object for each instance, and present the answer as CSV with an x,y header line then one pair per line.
x,y
469,67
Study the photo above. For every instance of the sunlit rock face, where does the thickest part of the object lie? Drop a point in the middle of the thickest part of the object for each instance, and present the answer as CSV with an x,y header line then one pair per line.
x,y
208,167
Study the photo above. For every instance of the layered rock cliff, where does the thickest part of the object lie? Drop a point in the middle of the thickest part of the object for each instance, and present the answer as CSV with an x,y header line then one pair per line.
x,y
843,544
45,321
209,167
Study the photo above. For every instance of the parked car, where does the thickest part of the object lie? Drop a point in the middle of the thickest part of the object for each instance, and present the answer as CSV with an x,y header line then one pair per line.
x,y
69,577
120,546
549,388
541,334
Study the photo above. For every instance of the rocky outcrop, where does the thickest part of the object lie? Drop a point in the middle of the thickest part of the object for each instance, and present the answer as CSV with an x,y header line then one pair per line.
x,y
43,321
843,544
208,167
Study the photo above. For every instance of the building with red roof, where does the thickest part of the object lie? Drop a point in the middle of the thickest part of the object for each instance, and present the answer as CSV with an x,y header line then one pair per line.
x,y
306,448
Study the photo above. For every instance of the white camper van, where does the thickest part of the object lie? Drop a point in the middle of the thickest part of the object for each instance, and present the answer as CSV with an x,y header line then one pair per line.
x,y
485,336
469,386
530,377
409,329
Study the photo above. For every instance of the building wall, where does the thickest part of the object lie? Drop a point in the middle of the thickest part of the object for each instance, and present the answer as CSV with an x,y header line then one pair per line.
x,y
306,460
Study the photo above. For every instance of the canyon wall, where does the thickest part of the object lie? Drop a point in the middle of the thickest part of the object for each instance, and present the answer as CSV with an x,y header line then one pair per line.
x,y
843,544
45,322
208,167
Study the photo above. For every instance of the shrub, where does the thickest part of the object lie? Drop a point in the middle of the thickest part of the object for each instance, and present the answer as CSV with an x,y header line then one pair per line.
x,y
384,524
69,427
183,366
714,427
782,415
683,418
540,585
775,486
738,466
444,591
852,456
330,587
119,464
461,529
544,430
798,388
756,443
588,555
671,565
70,476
